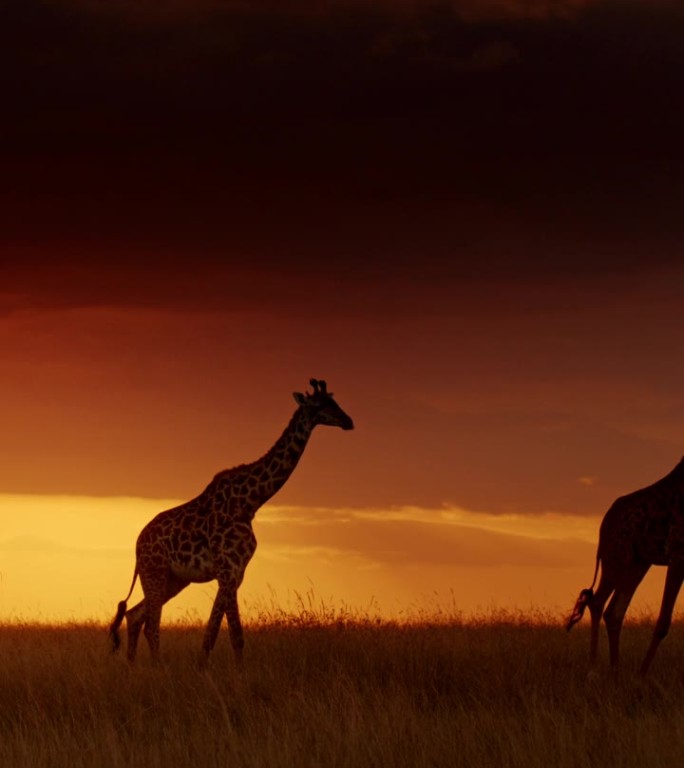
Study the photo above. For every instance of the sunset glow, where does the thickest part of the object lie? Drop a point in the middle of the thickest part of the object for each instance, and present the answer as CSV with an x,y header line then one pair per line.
x,y
70,558
465,218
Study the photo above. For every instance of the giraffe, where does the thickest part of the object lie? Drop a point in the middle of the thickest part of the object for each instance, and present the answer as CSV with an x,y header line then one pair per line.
x,y
211,536
639,530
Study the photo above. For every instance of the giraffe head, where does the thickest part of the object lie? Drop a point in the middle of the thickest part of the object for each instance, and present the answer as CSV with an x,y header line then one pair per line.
x,y
321,407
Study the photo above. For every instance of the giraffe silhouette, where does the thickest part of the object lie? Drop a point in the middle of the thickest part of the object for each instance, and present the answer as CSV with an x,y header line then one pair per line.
x,y
639,530
211,536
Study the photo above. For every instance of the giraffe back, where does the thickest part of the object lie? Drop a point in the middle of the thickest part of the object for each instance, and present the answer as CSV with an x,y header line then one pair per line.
x,y
646,525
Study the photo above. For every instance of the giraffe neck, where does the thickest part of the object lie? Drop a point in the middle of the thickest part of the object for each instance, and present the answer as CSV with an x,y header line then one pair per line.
x,y
274,468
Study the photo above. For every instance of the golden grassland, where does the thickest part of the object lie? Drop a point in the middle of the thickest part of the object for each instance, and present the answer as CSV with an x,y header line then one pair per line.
x,y
325,688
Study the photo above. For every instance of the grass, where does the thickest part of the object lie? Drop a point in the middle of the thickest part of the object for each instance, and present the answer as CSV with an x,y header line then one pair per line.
x,y
324,688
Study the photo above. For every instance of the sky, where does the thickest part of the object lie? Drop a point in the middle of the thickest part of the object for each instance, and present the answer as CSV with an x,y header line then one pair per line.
x,y
465,216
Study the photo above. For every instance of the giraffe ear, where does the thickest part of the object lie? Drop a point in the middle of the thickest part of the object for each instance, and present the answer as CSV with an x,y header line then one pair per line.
x,y
300,399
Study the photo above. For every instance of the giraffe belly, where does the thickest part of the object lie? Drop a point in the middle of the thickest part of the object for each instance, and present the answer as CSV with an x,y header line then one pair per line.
x,y
197,568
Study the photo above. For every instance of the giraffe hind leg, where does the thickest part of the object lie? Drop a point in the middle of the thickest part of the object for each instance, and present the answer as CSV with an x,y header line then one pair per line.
x,y
152,626
150,618
135,618
596,605
617,607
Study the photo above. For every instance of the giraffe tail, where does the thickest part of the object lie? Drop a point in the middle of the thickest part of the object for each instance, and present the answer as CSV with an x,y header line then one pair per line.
x,y
120,613
585,597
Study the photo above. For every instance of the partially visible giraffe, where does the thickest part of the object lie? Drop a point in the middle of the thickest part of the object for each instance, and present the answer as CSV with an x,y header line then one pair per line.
x,y
211,537
639,530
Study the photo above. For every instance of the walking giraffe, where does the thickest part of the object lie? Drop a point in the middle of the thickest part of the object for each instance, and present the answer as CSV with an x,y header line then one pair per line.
x,y
641,529
211,537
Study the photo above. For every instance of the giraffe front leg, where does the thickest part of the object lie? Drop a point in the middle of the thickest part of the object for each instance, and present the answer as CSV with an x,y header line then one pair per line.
x,y
213,625
237,639
225,604
673,583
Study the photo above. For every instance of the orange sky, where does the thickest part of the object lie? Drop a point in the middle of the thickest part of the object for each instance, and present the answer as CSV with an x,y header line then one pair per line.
x,y
71,558
433,211
452,489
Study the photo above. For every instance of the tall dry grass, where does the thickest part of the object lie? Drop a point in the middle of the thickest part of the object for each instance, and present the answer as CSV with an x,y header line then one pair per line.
x,y
330,689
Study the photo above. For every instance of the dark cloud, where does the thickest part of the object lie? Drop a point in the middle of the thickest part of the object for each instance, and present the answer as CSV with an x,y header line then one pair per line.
x,y
467,214
420,543
486,139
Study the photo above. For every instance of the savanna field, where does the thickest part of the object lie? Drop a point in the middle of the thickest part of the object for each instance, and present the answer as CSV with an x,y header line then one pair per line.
x,y
325,688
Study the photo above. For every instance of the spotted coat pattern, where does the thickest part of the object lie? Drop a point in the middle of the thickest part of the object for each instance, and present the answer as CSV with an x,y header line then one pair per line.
x,y
211,536
639,530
